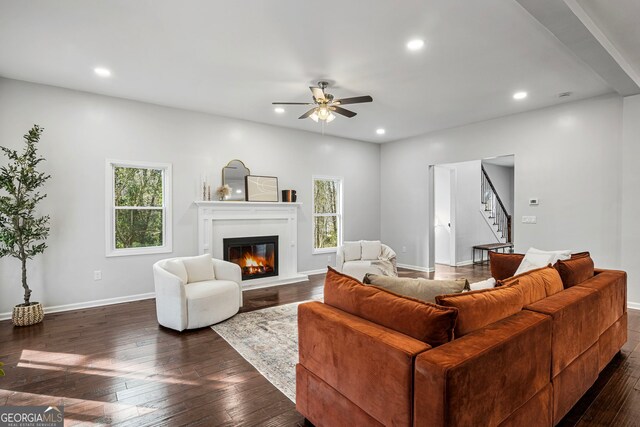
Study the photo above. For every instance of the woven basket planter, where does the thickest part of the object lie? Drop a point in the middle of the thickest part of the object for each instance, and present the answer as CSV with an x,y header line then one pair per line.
x,y
27,315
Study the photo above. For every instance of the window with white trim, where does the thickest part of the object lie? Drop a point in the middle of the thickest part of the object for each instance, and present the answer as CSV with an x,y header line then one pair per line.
x,y
327,214
138,201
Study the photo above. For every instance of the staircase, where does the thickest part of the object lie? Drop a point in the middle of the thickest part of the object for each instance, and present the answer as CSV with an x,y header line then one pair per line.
x,y
493,210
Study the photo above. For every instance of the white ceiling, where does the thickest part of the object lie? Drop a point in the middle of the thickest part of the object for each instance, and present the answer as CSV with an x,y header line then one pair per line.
x,y
234,58
619,20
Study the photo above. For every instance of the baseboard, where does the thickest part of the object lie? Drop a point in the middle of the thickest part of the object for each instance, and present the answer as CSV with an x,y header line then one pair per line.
x,y
463,263
89,304
633,305
417,268
312,272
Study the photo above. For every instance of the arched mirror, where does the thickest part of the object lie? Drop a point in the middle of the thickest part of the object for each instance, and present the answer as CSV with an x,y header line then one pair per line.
x,y
233,175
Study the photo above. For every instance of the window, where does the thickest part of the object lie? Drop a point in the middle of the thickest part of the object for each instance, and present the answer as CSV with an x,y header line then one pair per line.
x,y
138,208
327,214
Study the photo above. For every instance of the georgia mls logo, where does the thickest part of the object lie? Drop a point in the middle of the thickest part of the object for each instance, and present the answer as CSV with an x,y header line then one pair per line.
x,y
31,416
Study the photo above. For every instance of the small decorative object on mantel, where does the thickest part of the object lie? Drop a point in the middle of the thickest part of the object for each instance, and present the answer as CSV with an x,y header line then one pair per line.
x,y
22,232
289,196
262,188
223,191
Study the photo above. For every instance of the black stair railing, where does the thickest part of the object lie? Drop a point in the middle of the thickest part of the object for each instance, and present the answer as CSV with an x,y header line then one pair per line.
x,y
492,204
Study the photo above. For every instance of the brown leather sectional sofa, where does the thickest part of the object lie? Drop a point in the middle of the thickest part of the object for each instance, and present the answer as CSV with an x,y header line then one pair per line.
x,y
527,367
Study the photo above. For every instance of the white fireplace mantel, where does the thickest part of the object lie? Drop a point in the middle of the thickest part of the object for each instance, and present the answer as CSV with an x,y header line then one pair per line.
x,y
220,220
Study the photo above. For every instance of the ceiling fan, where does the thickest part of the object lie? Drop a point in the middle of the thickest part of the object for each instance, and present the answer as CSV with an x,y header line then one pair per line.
x,y
326,105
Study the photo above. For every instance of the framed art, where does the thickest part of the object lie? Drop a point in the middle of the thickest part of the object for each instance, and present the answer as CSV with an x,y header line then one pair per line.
x,y
261,188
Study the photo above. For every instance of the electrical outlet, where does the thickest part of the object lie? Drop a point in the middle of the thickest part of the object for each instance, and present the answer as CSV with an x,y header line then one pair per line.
x,y
329,258
529,220
97,275
404,249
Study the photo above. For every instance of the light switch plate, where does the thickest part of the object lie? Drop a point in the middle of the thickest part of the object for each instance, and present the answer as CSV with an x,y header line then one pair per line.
x,y
529,220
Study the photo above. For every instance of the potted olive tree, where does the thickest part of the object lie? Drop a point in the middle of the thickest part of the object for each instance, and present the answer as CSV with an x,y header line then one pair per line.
x,y
22,232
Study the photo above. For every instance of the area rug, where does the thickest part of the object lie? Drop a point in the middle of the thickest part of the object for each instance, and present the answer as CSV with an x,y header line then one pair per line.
x,y
268,339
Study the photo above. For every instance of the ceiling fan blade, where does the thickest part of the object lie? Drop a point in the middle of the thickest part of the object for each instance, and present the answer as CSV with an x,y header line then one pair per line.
x,y
292,103
318,94
354,100
307,114
343,111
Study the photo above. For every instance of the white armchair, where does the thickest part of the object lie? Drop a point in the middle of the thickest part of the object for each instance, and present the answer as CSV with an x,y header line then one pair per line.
x,y
359,258
193,292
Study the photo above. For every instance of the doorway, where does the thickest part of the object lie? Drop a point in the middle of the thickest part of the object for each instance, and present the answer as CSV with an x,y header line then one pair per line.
x,y
444,215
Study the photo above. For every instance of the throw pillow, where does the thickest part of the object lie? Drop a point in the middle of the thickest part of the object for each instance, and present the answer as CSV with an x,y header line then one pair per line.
x,y
477,309
199,268
576,270
176,267
371,249
484,284
504,265
422,289
352,251
421,320
535,258
536,284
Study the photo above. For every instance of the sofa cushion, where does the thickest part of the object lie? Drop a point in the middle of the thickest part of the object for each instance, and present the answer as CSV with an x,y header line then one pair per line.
x,y
536,284
611,286
176,267
504,266
575,270
422,289
423,321
575,321
352,251
199,268
480,308
536,258
371,249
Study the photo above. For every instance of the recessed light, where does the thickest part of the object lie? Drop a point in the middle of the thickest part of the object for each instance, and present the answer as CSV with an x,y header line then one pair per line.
x,y
102,72
279,110
415,44
380,131
520,95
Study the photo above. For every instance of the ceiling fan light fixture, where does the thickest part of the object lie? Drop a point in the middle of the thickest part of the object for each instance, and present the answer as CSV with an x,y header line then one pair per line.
x,y
323,112
331,117
314,116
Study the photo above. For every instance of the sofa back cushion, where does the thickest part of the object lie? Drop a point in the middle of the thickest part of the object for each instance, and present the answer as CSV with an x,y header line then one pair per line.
x,y
477,309
536,284
504,266
199,268
352,251
576,270
422,289
423,321
371,249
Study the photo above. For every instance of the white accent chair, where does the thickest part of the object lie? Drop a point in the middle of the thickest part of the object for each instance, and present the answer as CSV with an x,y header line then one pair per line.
x,y
194,292
361,257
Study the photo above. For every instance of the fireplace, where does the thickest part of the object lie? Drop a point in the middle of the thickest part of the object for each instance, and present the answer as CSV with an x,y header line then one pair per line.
x,y
256,256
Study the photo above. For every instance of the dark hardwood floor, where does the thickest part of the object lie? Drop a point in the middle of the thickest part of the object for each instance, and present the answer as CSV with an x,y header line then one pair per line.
x,y
114,365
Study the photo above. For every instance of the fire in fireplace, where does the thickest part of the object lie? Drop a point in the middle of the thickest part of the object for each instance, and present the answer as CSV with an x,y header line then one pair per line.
x,y
256,256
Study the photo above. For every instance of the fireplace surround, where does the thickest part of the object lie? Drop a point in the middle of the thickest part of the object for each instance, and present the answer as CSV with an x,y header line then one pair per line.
x,y
218,221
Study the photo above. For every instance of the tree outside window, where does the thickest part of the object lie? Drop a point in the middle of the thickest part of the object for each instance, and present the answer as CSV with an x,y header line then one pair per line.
x,y
327,214
139,202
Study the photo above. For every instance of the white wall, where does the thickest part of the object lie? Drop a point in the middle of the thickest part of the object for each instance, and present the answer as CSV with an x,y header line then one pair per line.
x,y
82,130
568,156
502,178
630,195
